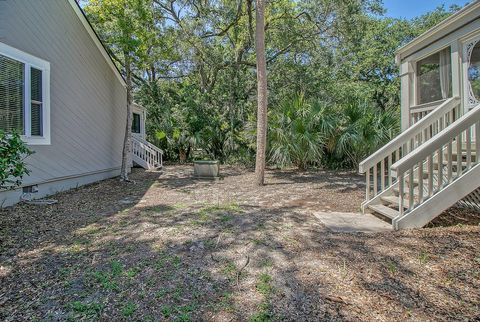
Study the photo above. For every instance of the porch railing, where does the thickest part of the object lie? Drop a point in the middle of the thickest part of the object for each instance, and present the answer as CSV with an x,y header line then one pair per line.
x,y
442,160
145,151
376,167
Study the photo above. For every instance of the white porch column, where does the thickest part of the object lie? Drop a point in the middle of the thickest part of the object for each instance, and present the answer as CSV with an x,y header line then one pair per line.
x,y
456,70
406,93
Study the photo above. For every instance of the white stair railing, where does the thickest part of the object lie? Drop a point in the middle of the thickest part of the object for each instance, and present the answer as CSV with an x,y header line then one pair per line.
x,y
146,154
377,178
442,160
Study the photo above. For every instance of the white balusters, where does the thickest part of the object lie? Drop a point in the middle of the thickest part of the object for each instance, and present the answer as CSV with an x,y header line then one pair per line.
x,y
146,154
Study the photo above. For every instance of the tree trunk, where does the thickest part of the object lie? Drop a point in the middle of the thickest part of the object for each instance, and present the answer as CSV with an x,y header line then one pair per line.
x,y
127,142
261,93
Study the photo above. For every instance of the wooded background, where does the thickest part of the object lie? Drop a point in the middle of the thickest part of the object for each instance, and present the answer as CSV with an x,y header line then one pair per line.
x,y
332,80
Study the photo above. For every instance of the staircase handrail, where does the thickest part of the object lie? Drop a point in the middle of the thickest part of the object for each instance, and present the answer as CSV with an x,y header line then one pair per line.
x,y
469,119
433,152
148,144
409,134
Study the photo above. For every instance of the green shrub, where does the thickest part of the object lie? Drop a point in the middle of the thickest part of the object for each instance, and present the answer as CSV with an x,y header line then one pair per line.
x,y
305,133
298,130
13,152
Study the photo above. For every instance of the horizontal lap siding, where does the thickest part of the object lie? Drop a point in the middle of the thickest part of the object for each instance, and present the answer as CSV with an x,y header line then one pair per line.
x,y
87,100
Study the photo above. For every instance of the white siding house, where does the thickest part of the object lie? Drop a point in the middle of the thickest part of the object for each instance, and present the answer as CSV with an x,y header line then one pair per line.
x,y
433,164
62,91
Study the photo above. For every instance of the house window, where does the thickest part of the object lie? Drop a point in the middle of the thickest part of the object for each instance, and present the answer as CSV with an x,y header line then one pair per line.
x,y
136,123
434,77
473,73
24,95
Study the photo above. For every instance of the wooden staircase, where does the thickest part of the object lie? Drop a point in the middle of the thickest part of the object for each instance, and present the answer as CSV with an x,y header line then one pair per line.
x,y
427,169
146,155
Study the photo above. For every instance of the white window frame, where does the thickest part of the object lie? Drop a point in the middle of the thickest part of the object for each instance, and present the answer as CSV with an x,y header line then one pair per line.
x,y
30,61
414,62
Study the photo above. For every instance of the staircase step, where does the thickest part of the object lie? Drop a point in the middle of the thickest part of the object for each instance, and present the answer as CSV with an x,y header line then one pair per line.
x,y
394,200
385,211
454,164
390,199
415,181
464,149
396,192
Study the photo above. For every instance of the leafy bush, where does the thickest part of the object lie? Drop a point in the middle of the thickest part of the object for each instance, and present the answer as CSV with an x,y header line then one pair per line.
x,y
13,152
298,131
306,133
359,130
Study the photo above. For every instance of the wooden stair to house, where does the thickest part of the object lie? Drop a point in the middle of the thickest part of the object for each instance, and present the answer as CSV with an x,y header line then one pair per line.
x,y
427,169
389,206
146,154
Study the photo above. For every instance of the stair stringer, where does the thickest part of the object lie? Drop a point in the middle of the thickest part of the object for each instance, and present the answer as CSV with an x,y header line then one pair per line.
x,y
439,202
378,198
144,164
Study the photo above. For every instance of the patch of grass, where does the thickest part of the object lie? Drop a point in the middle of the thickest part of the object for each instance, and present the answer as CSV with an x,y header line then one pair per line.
x,y
116,268
209,243
185,312
226,218
113,248
423,257
132,272
75,248
129,309
179,205
392,267
264,313
266,262
161,293
177,293
130,248
160,263
106,281
176,261
178,313
86,310
207,212
64,272
167,311
225,302
89,230
159,209
168,264
264,284
229,270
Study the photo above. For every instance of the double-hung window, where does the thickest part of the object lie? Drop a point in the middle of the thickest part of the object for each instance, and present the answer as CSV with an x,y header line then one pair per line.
x,y
24,95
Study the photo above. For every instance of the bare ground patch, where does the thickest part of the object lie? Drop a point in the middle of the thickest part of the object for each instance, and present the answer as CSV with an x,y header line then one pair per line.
x,y
173,248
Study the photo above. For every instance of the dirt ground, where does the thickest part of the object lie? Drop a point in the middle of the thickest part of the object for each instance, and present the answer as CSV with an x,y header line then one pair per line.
x,y
172,248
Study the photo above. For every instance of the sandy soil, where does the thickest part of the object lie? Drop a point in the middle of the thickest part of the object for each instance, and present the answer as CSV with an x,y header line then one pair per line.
x,y
172,248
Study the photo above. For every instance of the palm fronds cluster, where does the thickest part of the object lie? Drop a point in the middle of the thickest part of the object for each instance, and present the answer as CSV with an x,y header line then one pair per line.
x,y
305,133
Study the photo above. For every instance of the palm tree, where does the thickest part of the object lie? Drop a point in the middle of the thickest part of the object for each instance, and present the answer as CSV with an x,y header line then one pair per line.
x,y
262,93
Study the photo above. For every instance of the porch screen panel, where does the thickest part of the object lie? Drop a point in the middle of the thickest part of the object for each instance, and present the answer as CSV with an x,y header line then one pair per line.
x,y
434,77
37,101
12,80
136,123
474,73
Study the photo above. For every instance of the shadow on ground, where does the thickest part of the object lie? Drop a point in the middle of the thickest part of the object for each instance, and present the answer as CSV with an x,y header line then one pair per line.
x,y
172,248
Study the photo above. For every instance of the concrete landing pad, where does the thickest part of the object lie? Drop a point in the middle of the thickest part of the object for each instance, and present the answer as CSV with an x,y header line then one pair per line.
x,y
347,222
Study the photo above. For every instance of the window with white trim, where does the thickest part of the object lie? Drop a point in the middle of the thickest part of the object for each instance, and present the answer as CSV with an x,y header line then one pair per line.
x,y
24,95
